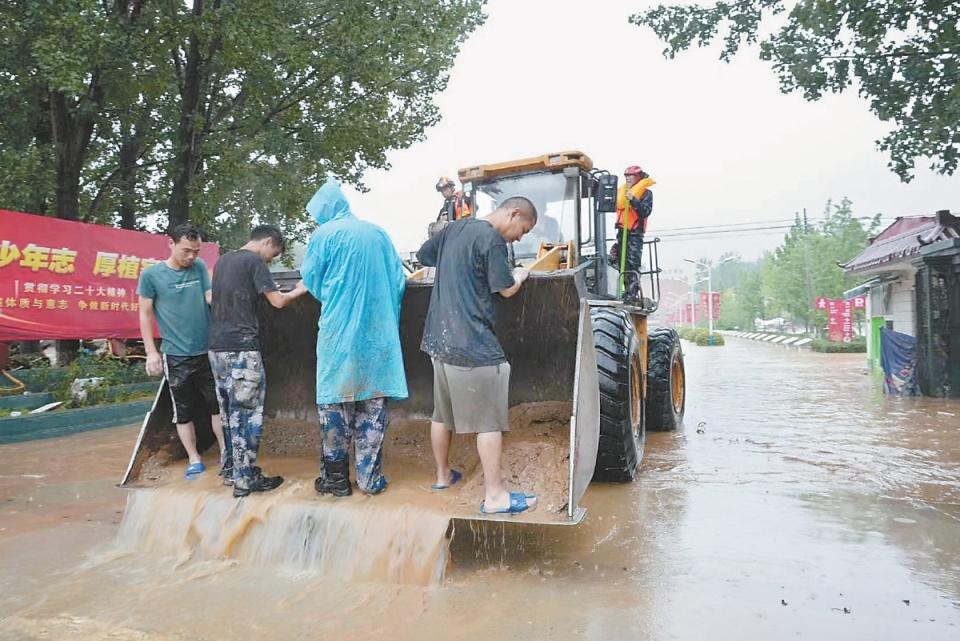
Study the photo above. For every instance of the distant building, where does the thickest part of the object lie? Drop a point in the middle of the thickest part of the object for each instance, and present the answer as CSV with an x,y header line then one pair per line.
x,y
914,288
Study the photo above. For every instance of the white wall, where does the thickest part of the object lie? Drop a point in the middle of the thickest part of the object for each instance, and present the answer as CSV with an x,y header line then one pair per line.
x,y
896,301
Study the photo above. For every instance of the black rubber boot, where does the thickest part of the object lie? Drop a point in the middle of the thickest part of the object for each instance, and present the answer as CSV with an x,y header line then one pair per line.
x,y
335,479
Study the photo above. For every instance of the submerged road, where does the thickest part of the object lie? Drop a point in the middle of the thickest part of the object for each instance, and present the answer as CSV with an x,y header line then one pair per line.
x,y
795,502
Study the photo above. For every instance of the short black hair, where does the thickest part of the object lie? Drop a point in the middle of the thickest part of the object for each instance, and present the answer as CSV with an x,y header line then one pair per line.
x,y
269,231
186,230
522,203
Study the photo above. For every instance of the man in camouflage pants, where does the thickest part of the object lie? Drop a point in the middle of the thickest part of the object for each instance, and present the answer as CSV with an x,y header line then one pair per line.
x,y
240,278
352,268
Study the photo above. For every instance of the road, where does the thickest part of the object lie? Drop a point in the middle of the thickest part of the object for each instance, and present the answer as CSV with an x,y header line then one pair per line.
x,y
795,502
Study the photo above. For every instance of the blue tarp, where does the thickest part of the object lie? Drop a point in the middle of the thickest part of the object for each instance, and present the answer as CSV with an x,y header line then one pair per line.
x,y
352,268
898,358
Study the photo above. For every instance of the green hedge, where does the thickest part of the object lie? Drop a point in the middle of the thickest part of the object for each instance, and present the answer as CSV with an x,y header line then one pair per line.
x,y
700,336
710,339
831,347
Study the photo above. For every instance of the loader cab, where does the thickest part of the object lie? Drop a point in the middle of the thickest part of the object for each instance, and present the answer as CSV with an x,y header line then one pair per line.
x,y
576,213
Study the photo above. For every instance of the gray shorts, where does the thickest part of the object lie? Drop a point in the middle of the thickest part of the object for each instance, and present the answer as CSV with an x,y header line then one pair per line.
x,y
471,400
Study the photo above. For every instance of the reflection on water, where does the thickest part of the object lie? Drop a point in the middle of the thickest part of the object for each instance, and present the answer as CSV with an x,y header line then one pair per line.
x,y
810,507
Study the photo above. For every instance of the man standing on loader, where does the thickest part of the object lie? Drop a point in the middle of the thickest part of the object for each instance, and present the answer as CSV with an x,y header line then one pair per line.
x,y
353,270
634,206
176,294
239,280
471,375
455,205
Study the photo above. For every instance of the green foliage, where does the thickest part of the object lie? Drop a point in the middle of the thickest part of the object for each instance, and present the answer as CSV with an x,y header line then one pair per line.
x,y
700,336
901,56
786,281
112,371
229,113
806,265
709,339
831,347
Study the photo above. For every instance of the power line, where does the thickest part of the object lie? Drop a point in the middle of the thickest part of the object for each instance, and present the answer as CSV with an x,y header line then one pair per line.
x,y
781,224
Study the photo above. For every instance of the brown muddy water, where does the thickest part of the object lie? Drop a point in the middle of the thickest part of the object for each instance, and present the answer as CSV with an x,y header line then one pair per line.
x,y
796,502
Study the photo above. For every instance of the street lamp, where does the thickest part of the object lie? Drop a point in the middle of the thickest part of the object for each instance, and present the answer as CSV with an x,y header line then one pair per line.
x,y
709,286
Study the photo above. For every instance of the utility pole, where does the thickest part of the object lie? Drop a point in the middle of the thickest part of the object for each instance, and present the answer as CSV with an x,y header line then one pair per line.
x,y
806,258
693,307
710,298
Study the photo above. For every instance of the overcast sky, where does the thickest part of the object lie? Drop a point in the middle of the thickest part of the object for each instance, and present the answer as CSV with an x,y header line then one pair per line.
x,y
723,143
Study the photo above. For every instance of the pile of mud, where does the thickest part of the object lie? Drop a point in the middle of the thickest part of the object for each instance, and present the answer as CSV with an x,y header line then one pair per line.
x,y
536,454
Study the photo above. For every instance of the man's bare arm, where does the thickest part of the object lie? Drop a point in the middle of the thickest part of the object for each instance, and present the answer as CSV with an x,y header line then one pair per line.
x,y
147,316
281,299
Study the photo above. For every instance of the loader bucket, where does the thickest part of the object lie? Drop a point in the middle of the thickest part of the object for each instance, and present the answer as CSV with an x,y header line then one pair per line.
x,y
545,331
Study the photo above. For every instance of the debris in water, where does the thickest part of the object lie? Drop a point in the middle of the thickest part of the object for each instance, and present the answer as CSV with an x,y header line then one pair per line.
x,y
906,601
701,427
782,602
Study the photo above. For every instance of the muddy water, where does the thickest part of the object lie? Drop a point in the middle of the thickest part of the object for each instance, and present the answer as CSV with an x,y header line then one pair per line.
x,y
806,506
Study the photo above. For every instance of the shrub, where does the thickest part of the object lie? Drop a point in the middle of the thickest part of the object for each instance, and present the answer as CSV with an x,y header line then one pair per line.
x,y
831,347
112,371
709,339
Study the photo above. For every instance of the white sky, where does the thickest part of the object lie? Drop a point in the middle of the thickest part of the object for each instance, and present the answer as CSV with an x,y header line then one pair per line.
x,y
724,144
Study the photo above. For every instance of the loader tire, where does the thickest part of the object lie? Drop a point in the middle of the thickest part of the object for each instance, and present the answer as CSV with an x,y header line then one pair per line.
x,y
666,381
620,371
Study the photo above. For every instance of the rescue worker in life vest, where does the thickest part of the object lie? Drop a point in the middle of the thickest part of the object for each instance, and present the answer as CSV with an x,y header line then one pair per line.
x,y
634,206
455,205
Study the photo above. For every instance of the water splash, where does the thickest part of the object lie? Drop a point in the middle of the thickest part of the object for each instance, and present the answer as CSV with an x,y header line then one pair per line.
x,y
349,540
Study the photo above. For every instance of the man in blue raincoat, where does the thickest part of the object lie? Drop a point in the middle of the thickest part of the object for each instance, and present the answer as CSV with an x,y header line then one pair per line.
x,y
352,268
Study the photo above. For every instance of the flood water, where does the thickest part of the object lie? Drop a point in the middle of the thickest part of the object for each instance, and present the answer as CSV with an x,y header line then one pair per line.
x,y
795,502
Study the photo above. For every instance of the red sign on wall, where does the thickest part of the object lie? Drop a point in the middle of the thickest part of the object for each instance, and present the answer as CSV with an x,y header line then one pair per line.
x,y
64,279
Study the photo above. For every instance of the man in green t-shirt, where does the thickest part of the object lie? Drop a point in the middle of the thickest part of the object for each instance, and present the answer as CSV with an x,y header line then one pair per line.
x,y
176,294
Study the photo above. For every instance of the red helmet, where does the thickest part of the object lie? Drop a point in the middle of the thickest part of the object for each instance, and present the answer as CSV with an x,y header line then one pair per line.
x,y
633,170
445,182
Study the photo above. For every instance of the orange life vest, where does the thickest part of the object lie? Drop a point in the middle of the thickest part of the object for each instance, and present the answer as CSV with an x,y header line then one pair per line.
x,y
626,216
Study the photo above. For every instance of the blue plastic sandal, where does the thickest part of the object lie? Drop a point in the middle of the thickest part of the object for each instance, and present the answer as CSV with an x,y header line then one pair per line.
x,y
194,470
518,503
454,477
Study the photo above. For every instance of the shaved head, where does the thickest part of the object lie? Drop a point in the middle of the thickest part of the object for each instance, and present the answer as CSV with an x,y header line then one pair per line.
x,y
523,204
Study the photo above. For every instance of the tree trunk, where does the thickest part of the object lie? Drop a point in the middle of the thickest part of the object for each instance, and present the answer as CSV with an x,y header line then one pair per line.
x,y
129,154
72,123
186,142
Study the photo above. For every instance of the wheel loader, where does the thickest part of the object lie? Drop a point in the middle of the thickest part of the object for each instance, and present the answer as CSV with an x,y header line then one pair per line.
x,y
571,341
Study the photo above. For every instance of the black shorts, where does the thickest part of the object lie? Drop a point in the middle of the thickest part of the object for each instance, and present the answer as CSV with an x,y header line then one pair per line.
x,y
191,386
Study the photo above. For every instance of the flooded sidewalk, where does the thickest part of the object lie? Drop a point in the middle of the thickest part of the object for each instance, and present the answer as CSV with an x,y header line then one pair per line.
x,y
795,502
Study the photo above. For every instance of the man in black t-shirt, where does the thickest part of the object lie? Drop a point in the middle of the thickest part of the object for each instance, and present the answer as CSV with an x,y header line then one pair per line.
x,y
239,279
471,375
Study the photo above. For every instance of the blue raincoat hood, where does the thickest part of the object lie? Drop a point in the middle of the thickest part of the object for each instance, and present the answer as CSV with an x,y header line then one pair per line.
x,y
329,203
353,269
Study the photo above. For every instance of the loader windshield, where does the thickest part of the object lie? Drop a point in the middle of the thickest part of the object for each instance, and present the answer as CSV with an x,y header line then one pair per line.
x,y
554,196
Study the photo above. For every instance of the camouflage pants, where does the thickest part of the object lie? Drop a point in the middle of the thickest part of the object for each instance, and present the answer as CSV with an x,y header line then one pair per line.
x,y
241,388
631,279
363,422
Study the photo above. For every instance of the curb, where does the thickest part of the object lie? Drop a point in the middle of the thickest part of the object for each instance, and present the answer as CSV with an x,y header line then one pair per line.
x,y
19,429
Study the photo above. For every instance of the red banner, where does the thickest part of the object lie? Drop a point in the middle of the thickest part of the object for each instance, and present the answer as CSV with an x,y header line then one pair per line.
x,y
704,305
688,313
64,279
839,317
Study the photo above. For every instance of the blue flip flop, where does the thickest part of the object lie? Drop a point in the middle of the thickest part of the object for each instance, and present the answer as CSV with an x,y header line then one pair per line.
x,y
518,503
194,470
454,477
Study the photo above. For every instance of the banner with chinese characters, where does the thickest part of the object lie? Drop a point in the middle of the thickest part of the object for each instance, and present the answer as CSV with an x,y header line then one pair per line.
x,y
839,316
64,279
